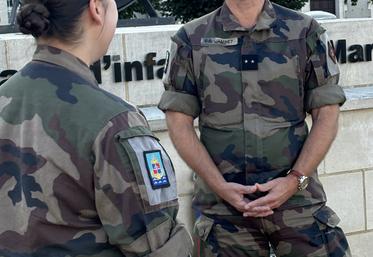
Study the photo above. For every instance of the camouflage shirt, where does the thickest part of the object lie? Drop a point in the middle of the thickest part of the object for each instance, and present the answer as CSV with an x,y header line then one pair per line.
x,y
81,174
251,89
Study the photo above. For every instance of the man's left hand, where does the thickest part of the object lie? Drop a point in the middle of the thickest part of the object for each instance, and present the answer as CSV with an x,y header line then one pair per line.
x,y
279,191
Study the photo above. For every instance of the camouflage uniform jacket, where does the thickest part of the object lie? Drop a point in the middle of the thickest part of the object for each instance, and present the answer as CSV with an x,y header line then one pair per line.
x,y
251,89
74,167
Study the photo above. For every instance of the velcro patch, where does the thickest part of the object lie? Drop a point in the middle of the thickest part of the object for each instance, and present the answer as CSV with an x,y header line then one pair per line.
x,y
250,62
219,41
156,171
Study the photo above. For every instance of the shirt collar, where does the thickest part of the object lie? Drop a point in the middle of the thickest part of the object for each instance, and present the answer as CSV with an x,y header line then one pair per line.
x,y
62,58
265,21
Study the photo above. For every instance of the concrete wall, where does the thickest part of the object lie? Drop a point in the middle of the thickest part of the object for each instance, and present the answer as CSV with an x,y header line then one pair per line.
x,y
340,8
306,7
347,171
359,10
3,12
132,44
355,31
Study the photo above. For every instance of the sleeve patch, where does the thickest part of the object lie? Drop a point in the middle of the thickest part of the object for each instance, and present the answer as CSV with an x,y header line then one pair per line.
x,y
156,171
331,58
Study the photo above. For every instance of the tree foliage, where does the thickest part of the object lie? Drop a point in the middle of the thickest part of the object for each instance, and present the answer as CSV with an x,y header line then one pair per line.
x,y
129,13
186,10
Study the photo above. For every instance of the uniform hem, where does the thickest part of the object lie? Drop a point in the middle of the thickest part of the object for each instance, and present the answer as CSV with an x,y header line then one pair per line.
x,y
325,95
180,102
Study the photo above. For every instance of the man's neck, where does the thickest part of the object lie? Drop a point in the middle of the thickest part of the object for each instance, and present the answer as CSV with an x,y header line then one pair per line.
x,y
246,11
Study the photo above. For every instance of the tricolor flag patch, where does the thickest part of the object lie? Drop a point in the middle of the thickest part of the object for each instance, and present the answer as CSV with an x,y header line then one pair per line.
x,y
156,171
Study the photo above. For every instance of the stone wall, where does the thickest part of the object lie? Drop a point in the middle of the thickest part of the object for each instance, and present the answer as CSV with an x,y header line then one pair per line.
x,y
132,44
355,32
358,10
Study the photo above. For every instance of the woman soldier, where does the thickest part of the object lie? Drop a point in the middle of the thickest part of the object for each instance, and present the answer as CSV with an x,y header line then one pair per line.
x,y
81,174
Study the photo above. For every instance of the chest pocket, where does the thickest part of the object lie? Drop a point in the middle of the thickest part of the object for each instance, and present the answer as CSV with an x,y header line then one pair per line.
x,y
219,84
279,78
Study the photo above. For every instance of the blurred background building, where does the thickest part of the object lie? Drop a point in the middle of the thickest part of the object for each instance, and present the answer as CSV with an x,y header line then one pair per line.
x,y
342,8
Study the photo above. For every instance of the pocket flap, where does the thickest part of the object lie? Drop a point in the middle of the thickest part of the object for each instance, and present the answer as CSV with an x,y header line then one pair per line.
x,y
179,245
203,227
327,216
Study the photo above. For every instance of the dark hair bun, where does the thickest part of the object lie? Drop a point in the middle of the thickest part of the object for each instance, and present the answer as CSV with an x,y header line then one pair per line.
x,y
32,19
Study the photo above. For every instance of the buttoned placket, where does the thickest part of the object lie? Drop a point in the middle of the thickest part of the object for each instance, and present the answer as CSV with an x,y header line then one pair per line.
x,y
250,67
253,146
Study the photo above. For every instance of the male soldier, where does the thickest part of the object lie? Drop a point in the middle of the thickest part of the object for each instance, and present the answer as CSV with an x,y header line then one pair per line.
x,y
250,71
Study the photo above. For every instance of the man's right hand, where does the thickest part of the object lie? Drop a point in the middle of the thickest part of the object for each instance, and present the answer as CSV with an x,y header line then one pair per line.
x,y
234,194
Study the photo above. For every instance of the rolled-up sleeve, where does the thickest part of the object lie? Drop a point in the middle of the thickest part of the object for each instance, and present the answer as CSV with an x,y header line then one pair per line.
x,y
181,93
322,73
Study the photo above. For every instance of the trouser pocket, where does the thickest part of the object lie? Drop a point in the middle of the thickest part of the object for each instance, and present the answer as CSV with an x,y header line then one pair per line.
x,y
179,244
204,245
332,236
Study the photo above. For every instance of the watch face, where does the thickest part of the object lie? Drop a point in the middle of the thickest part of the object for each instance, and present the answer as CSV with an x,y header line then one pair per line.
x,y
303,183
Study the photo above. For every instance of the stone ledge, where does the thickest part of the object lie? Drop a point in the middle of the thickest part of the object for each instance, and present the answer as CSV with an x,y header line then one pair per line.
x,y
361,244
155,117
357,99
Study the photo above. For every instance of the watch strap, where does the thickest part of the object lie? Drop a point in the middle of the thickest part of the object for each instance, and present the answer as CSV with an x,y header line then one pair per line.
x,y
296,173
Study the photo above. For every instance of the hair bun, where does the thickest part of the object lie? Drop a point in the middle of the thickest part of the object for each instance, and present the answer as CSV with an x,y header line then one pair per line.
x,y
32,19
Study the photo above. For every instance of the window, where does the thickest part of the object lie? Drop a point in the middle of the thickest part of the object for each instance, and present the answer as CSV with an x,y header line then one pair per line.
x,y
323,5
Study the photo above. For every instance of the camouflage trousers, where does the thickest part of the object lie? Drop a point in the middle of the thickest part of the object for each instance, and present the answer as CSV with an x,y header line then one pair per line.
x,y
300,232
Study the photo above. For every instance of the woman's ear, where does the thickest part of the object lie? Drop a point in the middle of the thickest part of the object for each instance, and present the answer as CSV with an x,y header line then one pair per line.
x,y
96,11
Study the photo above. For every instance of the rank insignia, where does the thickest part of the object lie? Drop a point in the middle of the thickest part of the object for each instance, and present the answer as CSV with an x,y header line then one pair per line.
x,y
250,62
156,171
